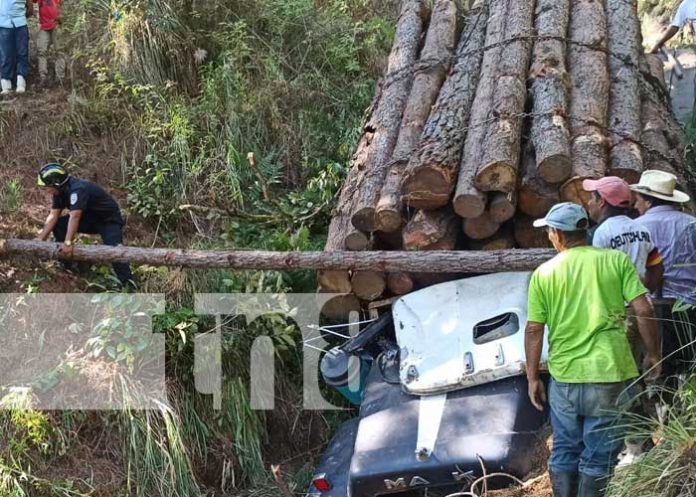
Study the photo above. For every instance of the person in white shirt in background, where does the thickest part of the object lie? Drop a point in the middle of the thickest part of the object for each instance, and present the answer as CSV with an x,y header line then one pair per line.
x,y
686,14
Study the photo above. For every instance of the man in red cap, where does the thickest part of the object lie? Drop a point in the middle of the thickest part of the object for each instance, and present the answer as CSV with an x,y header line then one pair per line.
x,y
608,207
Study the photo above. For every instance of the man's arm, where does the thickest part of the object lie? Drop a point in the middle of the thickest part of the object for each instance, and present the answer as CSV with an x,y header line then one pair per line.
x,y
666,36
533,345
50,223
653,277
73,225
647,327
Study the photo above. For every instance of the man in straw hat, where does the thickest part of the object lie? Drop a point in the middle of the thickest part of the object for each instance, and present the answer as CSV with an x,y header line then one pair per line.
x,y
580,296
674,234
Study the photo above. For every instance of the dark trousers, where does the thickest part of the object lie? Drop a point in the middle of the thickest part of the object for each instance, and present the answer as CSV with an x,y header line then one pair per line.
x,y
14,52
678,338
111,234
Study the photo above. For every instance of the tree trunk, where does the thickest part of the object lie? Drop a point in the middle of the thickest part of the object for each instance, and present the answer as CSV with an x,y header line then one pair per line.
x,y
536,196
400,283
430,73
549,133
432,169
502,206
482,227
468,200
445,261
589,92
503,240
529,237
368,285
501,148
624,42
431,230
397,86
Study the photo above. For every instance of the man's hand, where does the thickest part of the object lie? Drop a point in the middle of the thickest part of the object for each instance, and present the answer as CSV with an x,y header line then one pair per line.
x,y
537,393
652,367
65,250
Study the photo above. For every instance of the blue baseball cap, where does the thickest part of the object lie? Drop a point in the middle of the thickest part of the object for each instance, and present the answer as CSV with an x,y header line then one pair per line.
x,y
566,216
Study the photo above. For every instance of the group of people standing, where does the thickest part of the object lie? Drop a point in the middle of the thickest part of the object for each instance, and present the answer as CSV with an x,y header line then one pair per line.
x,y
607,286
14,42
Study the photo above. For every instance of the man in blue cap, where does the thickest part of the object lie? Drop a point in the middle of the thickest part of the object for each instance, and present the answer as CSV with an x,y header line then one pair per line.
x,y
580,296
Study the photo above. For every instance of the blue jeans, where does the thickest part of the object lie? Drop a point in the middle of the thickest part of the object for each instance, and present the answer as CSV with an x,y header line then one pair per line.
x,y
14,52
585,418
111,234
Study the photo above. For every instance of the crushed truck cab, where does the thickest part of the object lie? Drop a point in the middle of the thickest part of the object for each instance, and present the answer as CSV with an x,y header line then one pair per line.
x,y
446,396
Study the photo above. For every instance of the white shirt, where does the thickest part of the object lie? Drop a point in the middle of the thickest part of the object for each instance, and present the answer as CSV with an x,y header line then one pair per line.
x,y
629,236
685,13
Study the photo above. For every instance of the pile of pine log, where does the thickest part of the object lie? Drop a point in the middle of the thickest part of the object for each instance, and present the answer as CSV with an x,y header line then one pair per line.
x,y
488,116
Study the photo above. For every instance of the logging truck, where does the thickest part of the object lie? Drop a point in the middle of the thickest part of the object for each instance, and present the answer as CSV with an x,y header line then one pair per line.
x,y
442,394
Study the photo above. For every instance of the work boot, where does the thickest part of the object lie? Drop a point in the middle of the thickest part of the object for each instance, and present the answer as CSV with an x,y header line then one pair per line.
x,y
592,486
564,483
21,84
6,86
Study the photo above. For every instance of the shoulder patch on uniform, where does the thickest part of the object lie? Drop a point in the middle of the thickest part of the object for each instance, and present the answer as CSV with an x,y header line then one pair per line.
x,y
73,198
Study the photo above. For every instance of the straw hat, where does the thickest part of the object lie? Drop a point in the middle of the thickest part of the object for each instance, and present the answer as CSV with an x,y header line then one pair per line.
x,y
660,184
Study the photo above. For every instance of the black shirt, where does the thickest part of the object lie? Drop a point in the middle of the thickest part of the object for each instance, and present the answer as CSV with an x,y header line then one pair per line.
x,y
82,195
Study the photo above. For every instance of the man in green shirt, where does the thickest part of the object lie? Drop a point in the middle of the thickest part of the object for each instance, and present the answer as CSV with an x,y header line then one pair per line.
x,y
580,296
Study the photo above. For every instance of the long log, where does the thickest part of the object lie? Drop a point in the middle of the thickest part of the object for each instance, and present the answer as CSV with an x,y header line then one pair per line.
x,y
535,196
431,230
468,200
502,145
624,42
549,132
431,173
397,86
589,95
446,261
430,74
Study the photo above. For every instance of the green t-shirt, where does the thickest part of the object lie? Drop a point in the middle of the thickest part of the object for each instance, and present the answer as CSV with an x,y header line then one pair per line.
x,y
580,295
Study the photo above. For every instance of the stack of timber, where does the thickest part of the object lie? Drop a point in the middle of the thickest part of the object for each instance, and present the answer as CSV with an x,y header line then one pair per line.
x,y
486,117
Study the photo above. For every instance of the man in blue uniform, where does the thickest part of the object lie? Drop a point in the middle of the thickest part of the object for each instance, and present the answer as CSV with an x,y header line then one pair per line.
x,y
91,211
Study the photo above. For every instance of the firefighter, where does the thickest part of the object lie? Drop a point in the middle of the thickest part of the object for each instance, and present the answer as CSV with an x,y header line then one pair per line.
x,y
90,210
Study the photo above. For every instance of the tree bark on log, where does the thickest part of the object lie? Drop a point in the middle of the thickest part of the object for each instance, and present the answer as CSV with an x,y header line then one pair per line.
x,y
502,206
480,228
624,43
549,132
445,261
536,196
431,173
501,148
400,283
469,202
431,230
430,74
368,285
589,93
397,86
527,236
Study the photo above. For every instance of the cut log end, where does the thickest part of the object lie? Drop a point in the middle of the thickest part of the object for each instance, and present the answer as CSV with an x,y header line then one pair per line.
x,y
481,227
572,191
429,189
341,307
369,285
502,206
500,176
356,241
364,219
400,283
389,220
470,205
555,168
335,281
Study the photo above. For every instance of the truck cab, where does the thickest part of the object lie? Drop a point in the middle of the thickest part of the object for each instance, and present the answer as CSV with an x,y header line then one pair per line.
x,y
445,400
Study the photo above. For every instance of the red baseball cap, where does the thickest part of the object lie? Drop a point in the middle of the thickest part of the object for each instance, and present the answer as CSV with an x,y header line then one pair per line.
x,y
612,189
